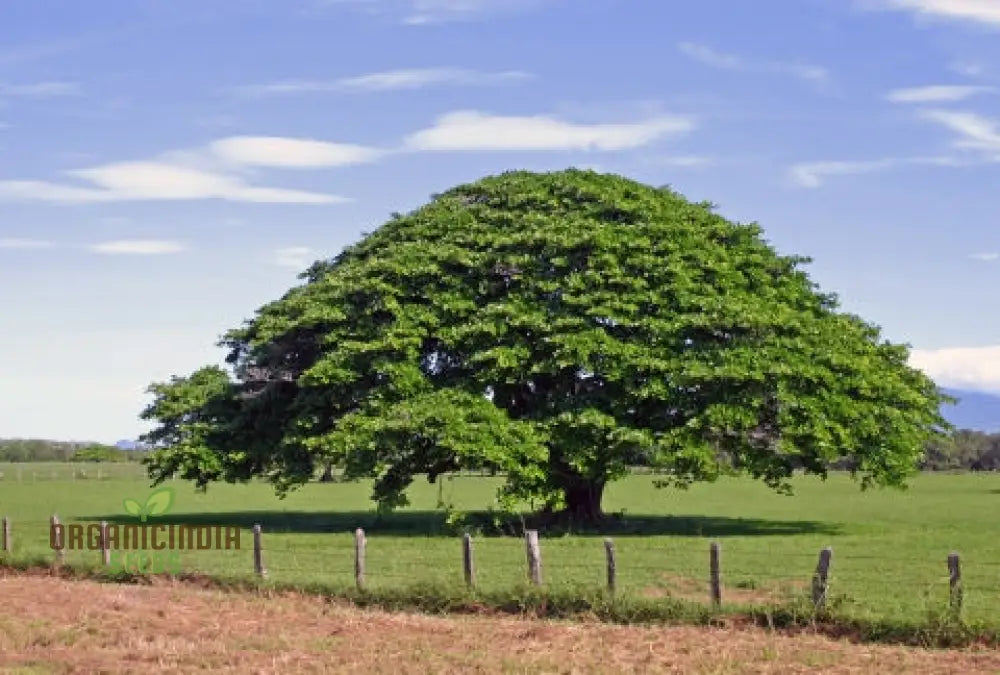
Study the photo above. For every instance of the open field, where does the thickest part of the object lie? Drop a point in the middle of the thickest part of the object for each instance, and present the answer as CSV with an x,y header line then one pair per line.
x,y
890,548
54,626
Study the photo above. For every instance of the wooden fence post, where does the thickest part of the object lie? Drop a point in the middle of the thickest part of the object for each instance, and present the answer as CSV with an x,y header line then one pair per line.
x,y
534,556
258,551
955,583
105,546
57,540
609,554
713,572
820,585
6,544
468,564
359,558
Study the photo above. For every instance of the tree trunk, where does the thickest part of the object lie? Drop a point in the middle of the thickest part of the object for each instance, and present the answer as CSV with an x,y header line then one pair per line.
x,y
327,476
583,501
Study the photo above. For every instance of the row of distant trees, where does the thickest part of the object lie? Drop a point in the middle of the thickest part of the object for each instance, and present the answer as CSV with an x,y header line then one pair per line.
x,y
40,450
965,450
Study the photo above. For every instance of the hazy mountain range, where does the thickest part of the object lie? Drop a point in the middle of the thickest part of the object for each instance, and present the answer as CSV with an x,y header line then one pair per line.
x,y
974,410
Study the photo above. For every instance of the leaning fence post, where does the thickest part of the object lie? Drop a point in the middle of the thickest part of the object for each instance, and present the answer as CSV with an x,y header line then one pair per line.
x,y
56,539
713,572
467,561
609,554
105,545
6,544
359,558
955,583
534,556
820,585
258,552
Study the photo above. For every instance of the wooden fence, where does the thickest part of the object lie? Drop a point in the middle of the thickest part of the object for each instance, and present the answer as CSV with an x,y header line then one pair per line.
x,y
533,560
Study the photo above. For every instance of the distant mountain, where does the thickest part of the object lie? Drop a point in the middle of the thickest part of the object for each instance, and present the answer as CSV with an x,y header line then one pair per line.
x,y
974,410
127,445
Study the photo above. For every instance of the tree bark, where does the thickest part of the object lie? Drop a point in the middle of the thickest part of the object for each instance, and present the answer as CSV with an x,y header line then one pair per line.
x,y
327,476
583,501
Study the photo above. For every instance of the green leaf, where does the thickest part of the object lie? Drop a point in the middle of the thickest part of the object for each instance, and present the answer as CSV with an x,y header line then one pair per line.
x,y
159,502
132,507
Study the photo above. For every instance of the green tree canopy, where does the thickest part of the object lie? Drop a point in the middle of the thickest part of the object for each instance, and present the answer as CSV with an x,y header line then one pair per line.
x,y
557,327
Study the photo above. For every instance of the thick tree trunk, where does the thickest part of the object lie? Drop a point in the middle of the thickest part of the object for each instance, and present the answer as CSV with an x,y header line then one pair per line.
x,y
327,476
583,501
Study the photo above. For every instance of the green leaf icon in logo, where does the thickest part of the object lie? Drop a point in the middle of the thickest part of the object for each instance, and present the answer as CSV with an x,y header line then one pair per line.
x,y
133,509
156,504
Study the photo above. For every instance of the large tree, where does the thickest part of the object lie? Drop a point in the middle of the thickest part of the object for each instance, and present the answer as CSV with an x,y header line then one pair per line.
x,y
558,327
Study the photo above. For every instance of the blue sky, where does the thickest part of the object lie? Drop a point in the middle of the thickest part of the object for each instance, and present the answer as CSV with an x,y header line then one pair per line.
x,y
167,167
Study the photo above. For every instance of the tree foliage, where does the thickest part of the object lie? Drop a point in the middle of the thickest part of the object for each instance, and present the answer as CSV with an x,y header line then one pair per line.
x,y
558,327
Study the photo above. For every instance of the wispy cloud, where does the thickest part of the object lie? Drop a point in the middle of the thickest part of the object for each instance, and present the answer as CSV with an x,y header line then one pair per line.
x,y
684,161
975,132
153,181
967,68
724,61
985,257
137,247
975,368
936,93
814,174
473,130
388,80
290,153
297,257
207,173
985,12
426,12
24,243
439,11
40,89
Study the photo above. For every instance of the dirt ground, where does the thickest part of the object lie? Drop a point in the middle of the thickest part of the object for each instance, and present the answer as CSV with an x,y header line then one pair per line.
x,y
50,625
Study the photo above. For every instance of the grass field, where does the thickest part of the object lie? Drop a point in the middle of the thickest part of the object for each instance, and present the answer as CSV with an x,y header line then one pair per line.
x,y
890,547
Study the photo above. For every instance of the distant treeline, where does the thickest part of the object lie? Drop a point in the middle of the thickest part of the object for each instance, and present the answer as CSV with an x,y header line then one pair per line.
x,y
965,450
39,450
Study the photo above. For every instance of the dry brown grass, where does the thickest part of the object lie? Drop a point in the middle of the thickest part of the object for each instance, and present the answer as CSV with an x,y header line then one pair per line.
x,y
50,625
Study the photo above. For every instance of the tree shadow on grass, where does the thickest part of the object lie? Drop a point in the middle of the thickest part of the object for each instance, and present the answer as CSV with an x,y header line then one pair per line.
x,y
431,523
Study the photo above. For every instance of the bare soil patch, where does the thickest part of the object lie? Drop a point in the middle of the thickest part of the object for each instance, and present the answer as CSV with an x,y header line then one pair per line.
x,y
53,625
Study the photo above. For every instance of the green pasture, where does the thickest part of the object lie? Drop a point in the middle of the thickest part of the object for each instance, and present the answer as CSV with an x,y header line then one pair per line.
x,y
890,547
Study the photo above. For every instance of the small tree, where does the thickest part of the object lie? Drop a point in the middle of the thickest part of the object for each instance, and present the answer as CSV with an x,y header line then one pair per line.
x,y
557,327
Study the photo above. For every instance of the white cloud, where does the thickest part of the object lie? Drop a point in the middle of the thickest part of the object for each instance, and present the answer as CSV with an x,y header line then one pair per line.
x,y
975,131
811,174
290,153
153,181
472,130
975,368
389,80
24,243
977,11
40,89
684,161
936,93
423,77
985,257
968,68
716,59
439,11
137,247
298,257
